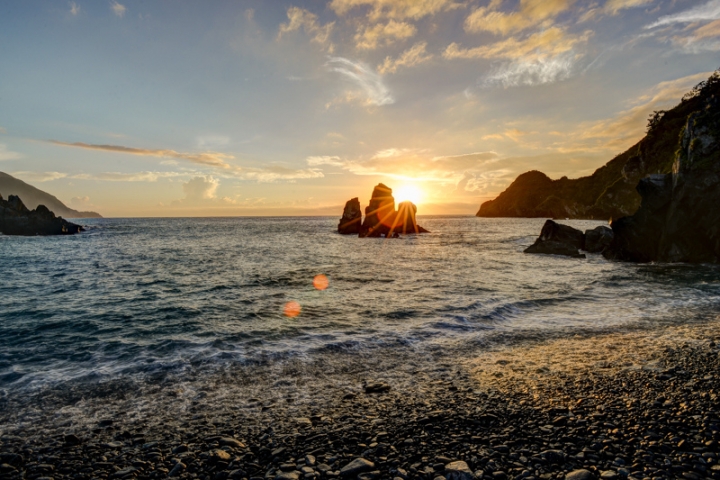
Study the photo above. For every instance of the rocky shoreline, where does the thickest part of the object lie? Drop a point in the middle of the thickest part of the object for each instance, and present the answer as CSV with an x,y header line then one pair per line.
x,y
642,404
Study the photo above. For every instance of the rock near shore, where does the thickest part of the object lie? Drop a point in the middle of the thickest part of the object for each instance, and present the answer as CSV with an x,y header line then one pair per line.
x,y
17,219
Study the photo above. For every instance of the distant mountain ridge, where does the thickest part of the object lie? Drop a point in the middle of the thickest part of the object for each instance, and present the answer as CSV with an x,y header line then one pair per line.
x,y
32,197
609,193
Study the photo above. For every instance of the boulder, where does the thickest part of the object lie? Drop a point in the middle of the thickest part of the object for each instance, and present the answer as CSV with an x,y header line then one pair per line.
x,y
597,239
458,471
351,218
557,239
16,219
405,221
357,466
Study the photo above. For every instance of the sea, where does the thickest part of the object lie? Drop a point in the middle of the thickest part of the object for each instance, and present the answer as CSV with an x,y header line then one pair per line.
x,y
162,298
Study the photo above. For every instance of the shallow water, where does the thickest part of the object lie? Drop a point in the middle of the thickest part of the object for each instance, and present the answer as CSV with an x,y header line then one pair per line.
x,y
138,297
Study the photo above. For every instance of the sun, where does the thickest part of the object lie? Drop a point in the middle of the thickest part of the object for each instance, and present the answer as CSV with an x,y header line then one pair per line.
x,y
408,193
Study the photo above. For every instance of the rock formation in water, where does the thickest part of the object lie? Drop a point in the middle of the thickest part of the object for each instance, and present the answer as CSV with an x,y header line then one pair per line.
x,y
609,193
679,217
557,239
17,219
32,197
381,218
351,218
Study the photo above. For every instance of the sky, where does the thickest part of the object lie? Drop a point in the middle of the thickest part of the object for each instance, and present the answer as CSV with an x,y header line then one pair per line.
x,y
185,108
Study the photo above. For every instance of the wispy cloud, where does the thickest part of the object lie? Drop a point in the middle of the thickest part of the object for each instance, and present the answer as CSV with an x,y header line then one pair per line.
x,y
531,72
701,13
299,18
407,163
530,14
315,161
74,8
126,176
543,57
415,55
217,160
370,37
398,9
212,159
613,7
118,9
39,176
550,42
364,77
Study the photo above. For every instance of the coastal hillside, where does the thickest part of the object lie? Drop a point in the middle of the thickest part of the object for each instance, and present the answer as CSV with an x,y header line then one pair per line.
x,y
610,191
32,197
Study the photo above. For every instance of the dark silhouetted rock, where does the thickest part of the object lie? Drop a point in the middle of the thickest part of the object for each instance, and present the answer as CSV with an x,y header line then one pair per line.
x,y
32,197
557,239
380,214
679,219
597,239
381,218
16,219
609,193
351,218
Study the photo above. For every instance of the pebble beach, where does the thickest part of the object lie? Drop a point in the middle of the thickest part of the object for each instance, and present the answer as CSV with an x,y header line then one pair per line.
x,y
639,404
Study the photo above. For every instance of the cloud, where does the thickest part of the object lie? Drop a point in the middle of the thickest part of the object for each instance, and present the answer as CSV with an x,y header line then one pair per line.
x,y
701,13
398,9
415,55
315,161
300,18
6,154
612,7
217,160
406,163
553,41
74,8
212,159
126,177
39,176
370,37
530,72
543,57
371,84
530,14
118,9
201,188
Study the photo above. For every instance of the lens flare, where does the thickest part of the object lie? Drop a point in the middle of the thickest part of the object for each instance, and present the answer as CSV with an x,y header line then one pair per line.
x,y
292,309
321,282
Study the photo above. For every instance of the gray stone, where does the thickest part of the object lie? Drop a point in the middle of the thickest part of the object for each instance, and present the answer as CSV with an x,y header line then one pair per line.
x,y
581,474
458,471
356,467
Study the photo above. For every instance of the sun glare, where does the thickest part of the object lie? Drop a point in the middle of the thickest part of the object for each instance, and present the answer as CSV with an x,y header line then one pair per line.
x,y
411,193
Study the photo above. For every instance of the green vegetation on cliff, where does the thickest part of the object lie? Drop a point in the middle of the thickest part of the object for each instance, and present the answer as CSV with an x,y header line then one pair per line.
x,y
610,191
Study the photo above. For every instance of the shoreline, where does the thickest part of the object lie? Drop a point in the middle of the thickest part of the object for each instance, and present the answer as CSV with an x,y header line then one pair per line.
x,y
640,404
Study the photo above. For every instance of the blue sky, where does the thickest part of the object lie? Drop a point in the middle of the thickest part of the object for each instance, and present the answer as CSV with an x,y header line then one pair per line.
x,y
173,107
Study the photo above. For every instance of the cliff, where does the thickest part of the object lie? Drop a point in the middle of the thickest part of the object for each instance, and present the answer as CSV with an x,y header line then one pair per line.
x,y
32,197
679,219
610,191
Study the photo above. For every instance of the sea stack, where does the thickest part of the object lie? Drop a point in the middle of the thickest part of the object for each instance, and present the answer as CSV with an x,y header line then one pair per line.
x,y
351,218
381,218
17,219
380,214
